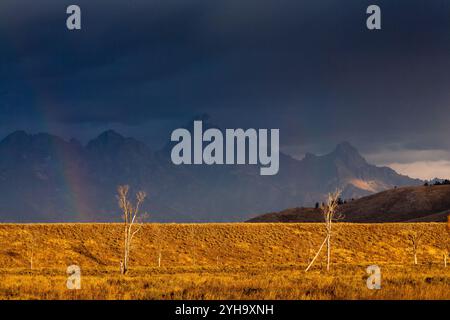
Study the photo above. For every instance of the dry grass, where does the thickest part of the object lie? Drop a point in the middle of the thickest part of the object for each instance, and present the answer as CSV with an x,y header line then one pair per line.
x,y
222,261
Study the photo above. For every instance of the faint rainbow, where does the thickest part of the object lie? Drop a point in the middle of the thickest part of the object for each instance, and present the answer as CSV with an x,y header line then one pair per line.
x,y
44,105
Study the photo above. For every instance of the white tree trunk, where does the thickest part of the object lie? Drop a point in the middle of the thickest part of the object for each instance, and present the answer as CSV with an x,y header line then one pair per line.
x,y
328,251
317,254
125,253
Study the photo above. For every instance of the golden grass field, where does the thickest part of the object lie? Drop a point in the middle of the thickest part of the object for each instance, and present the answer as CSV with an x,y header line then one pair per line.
x,y
222,261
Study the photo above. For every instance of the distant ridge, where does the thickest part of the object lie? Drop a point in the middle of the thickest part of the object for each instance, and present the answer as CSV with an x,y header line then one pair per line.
x,y
407,204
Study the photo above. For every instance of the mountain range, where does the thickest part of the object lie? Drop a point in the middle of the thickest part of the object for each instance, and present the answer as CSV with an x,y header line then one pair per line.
x,y
44,178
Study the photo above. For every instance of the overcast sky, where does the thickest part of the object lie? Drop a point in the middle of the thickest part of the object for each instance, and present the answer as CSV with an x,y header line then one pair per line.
x,y
310,68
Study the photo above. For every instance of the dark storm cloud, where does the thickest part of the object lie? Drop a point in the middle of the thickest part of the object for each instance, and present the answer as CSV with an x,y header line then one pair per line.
x,y
310,68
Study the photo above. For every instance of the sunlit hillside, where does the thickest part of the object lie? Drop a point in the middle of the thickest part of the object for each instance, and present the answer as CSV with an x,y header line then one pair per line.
x,y
217,261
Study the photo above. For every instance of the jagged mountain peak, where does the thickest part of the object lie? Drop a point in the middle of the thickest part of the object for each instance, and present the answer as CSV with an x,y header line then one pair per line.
x,y
111,139
110,135
21,138
19,134
17,137
348,154
345,147
123,151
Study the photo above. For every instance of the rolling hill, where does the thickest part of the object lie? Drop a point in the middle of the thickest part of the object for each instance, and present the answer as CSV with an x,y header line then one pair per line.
x,y
407,204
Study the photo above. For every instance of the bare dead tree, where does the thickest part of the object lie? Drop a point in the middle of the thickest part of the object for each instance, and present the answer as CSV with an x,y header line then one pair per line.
x,y
330,214
414,239
132,221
